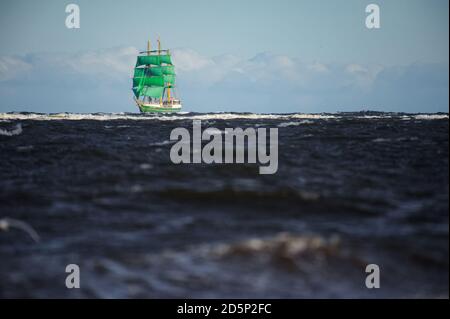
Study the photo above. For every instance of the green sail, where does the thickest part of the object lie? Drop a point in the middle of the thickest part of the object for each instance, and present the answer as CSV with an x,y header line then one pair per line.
x,y
155,80
152,91
153,60
155,71
169,78
137,81
166,59
161,70
151,77
148,59
168,69
149,81
139,72
136,92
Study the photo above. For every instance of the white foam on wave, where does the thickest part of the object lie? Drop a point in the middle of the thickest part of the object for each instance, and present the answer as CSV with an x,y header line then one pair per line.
x,y
163,143
203,117
159,117
118,126
15,131
286,124
431,117
215,131
398,139
381,140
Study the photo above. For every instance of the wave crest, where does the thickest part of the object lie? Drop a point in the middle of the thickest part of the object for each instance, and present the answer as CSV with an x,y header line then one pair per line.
x,y
17,130
213,116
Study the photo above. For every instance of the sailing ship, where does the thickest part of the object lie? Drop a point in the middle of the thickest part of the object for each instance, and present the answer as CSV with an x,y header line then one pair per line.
x,y
154,81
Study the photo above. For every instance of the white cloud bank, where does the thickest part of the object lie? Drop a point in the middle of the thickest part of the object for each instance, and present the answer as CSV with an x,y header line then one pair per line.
x,y
100,81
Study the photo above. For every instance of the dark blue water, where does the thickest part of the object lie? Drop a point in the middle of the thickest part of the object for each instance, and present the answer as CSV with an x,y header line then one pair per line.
x,y
100,191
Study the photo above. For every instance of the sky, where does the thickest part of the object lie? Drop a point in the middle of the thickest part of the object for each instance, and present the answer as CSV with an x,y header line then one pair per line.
x,y
249,55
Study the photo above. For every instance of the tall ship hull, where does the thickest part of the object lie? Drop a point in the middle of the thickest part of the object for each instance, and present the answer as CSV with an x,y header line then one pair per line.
x,y
157,108
154,82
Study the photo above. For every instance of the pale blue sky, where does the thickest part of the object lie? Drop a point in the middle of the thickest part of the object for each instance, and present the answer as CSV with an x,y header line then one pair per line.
x,y
324,30
333,32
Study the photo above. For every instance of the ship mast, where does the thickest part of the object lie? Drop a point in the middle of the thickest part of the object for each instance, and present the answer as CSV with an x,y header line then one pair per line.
x,y
168,87
148,53
159,53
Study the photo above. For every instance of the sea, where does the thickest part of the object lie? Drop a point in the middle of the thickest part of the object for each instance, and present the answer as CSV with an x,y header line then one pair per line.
x,y
99,191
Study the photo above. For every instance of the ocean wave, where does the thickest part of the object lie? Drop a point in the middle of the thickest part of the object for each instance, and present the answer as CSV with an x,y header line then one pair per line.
x,y
431,117
163,143
17,130
118,126
209,116
258,266
159,117
398,139
24,148
239,193
283,245
286,124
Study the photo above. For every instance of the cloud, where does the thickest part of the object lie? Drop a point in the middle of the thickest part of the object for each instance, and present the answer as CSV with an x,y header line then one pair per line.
x,y
188,60
419,87
58,82
115,62
11,67
101,81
